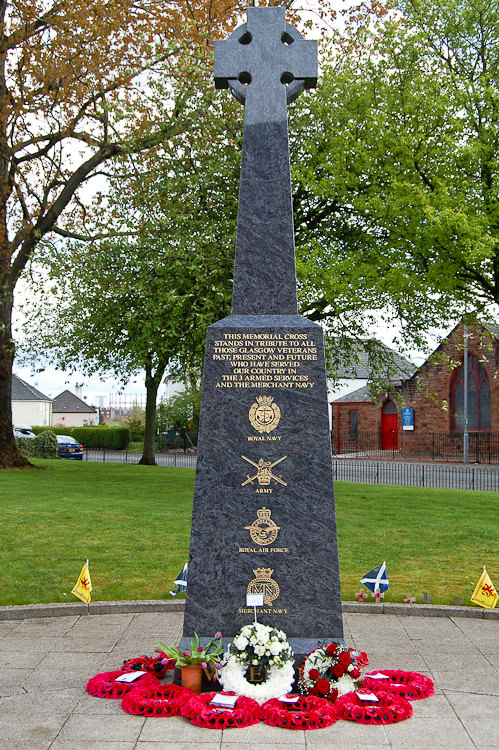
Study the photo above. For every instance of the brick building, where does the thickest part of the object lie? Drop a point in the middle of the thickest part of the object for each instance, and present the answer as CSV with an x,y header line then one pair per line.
x,y
424,415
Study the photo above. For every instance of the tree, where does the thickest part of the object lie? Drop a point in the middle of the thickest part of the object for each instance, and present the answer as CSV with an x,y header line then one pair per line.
x,y
180,411
141,301
76,91
396,183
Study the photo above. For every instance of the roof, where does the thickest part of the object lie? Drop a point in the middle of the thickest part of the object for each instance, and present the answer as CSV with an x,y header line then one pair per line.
x,y
67,403
22,391
361,395
494,329
360,366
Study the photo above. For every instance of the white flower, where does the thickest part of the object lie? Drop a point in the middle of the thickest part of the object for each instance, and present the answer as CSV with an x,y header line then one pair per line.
x,y
260,650
240,642
278,683
276,648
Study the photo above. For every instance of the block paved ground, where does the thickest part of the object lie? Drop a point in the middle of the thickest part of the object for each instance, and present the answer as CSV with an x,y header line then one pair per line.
x,y
47,661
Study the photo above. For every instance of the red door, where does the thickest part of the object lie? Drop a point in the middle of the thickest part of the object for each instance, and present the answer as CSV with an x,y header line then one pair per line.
x,y
389,427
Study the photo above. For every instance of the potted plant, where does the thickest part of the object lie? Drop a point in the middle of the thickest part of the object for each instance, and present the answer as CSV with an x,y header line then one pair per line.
x,y
196,659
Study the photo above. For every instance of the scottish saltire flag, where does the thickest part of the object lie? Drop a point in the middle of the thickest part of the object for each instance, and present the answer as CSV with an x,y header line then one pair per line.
x,y
376,579
180,582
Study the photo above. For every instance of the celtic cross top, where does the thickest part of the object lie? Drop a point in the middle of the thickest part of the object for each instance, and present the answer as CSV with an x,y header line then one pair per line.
x,y
266,63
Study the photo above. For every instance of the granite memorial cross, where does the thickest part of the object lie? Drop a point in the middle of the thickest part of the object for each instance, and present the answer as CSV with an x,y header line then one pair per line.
x,y
263,517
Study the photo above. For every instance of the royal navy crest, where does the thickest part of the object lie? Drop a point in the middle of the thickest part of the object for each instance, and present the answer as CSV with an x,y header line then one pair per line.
x,y
264,414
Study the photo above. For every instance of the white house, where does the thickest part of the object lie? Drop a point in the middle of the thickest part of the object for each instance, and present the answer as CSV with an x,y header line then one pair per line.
x,y
69,410
29,406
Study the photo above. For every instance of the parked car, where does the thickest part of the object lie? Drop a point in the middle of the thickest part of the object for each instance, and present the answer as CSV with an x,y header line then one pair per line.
x,y
23,431
69,447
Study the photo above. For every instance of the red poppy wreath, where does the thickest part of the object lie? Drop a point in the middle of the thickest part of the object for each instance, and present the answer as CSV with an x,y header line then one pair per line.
x,y
198,710
309,712
388,709
162,700
412,686
104,684
156,665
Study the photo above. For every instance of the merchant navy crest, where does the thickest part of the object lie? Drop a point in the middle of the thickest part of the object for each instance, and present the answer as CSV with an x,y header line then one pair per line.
x,y
264,584
264,414
263,531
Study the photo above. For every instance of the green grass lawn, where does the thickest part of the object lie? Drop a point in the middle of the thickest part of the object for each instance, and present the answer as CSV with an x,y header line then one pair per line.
x,y
133,524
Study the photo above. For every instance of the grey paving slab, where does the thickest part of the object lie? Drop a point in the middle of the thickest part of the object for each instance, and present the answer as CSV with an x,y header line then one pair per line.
x,y
483,732
468,705
62,744
115,728
42,702
40,626
37,731
438,732
342,733
177,729
470,682
50,688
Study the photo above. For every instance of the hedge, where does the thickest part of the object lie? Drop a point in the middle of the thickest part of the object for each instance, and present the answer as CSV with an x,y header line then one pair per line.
x,y
98,437
43,446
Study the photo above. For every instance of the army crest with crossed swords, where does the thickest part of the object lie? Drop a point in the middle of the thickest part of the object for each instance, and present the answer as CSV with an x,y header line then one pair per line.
x,y
264,472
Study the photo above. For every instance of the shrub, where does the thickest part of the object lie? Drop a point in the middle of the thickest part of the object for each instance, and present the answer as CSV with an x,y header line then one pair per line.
x,y
43,446
100,437
97,437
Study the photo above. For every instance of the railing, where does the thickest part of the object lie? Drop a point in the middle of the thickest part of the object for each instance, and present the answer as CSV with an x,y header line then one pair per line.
x,y
171,458
417,475
407,445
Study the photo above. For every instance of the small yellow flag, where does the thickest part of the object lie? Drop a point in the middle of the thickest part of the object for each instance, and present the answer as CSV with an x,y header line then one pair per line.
x,y
485,594
83,585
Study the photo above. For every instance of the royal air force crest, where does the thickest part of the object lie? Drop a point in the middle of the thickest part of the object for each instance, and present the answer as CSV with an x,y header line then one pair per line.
x,y
263,531
264,414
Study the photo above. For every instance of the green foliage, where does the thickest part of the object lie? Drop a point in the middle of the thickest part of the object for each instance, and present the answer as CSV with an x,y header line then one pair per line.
x,y
39,447
115,438
395,166
97,437
135,422
180,411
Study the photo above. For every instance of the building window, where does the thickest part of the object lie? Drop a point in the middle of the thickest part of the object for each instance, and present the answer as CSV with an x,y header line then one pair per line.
x,y
478,396
354,424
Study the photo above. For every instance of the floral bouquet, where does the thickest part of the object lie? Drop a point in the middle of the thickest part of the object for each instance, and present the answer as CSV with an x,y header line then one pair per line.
x,y
208,656
263,651
332,670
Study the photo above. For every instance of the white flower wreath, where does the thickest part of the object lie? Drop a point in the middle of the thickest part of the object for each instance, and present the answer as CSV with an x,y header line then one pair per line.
x,y
279,680
260,646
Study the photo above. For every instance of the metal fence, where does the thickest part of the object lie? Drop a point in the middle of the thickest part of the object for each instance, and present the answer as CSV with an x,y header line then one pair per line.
x,y
417,475
170,458
346,470
425,446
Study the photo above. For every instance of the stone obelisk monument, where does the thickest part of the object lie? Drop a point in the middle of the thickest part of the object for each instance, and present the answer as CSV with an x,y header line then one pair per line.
x,y
263,518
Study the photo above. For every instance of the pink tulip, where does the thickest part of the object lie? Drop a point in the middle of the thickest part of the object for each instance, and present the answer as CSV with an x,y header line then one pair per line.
x,y
187,653
203,665
218,635
200,649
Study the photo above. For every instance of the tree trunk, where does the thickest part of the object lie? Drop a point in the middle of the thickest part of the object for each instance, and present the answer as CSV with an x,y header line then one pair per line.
x,y
152,384
10,457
